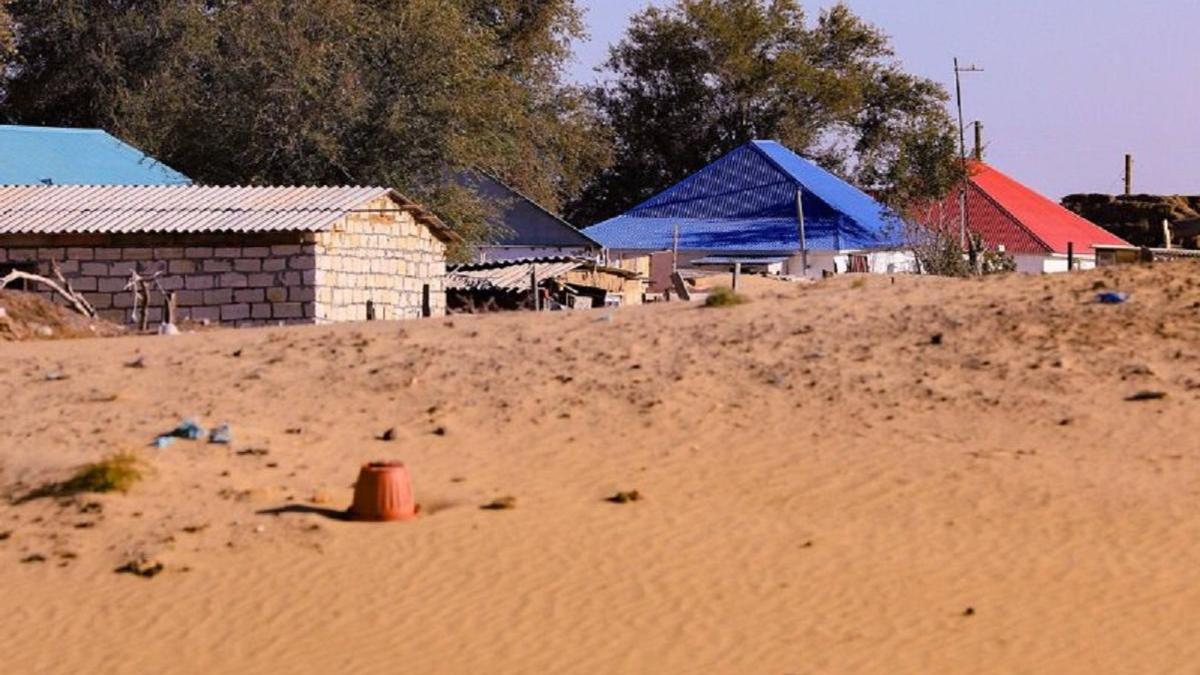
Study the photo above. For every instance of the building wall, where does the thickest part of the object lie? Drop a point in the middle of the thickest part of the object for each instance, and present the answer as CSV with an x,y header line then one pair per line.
x,y
254,279
385,257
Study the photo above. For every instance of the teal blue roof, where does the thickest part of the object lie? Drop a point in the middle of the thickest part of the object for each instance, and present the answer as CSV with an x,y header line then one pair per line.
x,y
58,156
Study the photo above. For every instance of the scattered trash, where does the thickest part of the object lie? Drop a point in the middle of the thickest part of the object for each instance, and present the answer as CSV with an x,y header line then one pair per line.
x,y
625,497
1111,298
439,431
1147,396
147,569
500,504
389,435
187,429
236,354
139,362
168,329
222,435
935,339
56,376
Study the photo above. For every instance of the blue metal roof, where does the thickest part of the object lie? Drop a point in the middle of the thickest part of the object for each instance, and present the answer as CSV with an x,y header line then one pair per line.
x,y
58,156
746,202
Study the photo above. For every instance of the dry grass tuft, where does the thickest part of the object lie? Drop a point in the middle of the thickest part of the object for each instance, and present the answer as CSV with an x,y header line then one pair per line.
x,y
724,297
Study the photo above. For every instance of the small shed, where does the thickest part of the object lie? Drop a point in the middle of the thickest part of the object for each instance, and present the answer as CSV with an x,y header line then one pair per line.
x,y
234,255
561,282
67,156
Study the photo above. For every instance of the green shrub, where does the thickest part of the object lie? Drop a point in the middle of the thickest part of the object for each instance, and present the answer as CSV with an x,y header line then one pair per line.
x,y
724,297
115,473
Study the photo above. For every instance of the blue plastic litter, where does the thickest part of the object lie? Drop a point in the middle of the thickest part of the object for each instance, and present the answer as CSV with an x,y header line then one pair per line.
x,y
188,429
1111,298
222,435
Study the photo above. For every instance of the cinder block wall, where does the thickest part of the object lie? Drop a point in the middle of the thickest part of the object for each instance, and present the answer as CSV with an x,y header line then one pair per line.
x,y
381,255
244,280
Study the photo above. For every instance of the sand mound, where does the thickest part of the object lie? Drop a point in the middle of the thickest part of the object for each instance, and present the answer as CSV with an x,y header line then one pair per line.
x,y
930,475
27,316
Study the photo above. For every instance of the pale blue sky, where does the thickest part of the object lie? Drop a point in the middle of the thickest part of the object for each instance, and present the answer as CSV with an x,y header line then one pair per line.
x,y
1070,87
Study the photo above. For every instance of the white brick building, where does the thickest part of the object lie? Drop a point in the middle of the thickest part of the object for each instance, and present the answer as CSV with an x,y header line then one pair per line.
x,y
241,256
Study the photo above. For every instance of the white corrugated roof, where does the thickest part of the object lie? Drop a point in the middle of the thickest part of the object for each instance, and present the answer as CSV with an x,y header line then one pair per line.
x,y
93,209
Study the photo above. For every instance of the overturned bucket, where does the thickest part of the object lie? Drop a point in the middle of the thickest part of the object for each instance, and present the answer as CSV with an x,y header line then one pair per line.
x,y
383,492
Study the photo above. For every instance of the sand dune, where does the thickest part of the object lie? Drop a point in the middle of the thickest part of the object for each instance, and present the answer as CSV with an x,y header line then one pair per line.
x,y
828,488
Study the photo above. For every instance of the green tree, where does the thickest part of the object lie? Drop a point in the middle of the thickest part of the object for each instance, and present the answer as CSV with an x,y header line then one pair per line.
x,y
694,80
404,93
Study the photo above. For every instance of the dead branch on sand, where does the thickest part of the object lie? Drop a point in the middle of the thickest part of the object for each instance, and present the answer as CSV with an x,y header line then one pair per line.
x,y
59,285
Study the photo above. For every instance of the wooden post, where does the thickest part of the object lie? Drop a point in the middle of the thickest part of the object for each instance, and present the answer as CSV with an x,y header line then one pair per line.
x,y
737,274
169,308
1070,256
533,288
426,302
978,141
1128,175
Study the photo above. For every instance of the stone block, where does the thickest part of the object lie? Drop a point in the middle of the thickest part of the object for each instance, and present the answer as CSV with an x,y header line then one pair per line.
x,y
210,313
218,296
22,254
111,285
302,262
227,252
84,283
122,300
274,264
171,283
260,280
122,268
51,253
217,265
81,253
189,298
285,250
261,310
198,252
137,254
168,253
181,266
247,264
94,269
277,294
234,280
256,251
249,295
235,312
200,282
288,310
107,253
69,267
302,294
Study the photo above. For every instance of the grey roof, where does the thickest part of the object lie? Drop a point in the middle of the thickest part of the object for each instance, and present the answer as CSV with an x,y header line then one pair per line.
x,y
62,209
521,221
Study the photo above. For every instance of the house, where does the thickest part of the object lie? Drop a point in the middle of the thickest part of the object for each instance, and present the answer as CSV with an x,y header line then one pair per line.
x,y
235,255
523,228
562,282
58,156
1037,232
763,206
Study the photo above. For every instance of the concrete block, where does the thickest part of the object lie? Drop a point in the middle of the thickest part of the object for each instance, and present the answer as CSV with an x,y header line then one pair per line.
x,y
111,285
189,298
167,253
94,269
200,282
285,250
137,254
227,252
82,284
210,313
181,266
198,252
22,254
277,294
274,264
234,280
217,265
288,310
256,251
249,295
235,312
218,296
51,253
302,262
261,310
260,280
81,253
302,294
247,264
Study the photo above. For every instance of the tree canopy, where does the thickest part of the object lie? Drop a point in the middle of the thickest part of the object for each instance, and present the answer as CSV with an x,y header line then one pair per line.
x,y
693,80
403,93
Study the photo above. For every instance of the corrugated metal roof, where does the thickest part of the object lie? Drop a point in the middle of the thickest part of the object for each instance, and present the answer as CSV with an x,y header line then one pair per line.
x,y
61,156
1003,212
510,275
110,209
746,202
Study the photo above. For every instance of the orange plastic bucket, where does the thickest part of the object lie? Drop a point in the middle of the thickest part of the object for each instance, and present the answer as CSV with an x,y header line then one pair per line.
x,y
383,492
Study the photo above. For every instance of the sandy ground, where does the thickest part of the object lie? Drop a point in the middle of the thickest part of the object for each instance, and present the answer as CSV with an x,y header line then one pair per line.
x,y
829,488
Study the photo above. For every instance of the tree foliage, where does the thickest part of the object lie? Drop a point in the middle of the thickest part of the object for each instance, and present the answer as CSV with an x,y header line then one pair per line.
x,y
693,80
404,93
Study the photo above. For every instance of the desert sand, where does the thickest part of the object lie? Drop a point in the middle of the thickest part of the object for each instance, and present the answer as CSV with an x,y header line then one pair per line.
x,y
863,475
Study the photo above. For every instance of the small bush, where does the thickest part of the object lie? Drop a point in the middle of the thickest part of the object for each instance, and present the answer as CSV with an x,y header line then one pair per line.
x,y
116,473
724,297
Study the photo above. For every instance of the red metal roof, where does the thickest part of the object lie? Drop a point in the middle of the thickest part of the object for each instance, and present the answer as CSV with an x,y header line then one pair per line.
x,y
1004,211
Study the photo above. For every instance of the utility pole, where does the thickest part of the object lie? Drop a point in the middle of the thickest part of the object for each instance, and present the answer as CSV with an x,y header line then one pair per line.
x,y
962,146
1128,175
803,234
978,141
